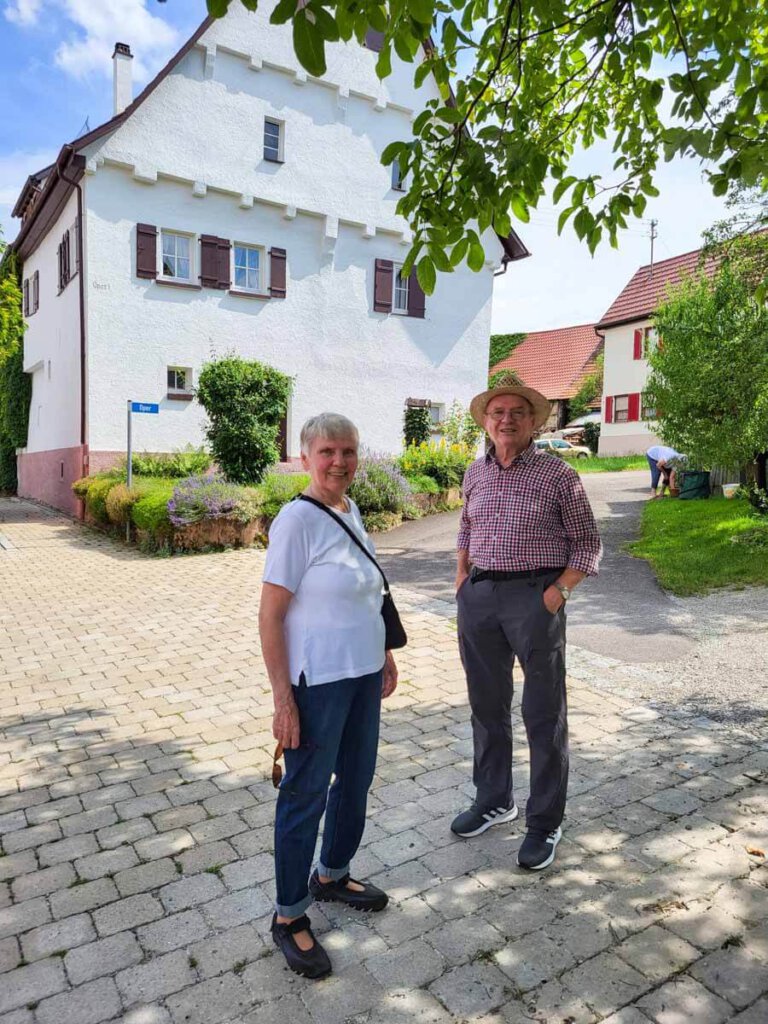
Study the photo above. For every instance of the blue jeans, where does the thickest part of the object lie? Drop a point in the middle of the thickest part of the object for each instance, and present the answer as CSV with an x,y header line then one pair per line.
x,y
339,733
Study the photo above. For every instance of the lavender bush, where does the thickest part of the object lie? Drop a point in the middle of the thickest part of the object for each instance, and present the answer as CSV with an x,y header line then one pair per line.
x,y
210,497
379,486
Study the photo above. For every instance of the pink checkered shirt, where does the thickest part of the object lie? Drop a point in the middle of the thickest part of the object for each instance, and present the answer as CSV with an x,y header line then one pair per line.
x,y
532,515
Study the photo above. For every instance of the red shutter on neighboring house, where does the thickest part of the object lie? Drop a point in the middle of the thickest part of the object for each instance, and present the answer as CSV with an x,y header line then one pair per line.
x,y
416,299
633,408
638,350
382,286
609,409
146,251
277,273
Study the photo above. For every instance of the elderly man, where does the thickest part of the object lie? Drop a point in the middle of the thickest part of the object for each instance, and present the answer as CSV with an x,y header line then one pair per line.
x,y
527,538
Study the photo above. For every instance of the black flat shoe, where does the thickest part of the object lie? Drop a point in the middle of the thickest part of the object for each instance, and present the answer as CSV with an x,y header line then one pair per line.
x,y
370,898
310,963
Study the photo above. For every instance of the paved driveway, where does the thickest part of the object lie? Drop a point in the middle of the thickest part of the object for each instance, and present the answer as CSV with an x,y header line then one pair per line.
x,y
708,655
135,821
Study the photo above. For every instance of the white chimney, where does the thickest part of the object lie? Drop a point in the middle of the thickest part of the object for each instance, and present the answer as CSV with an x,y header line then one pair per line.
x,y
122,79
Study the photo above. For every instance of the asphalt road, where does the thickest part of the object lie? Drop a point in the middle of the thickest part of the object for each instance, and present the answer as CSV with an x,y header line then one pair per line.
x,y
623,613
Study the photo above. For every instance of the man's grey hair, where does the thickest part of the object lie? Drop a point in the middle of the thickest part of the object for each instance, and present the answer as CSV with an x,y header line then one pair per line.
x,y
331,425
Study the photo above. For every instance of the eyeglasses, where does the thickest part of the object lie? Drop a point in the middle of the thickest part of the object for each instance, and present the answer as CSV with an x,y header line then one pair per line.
x,y
277,768
515,414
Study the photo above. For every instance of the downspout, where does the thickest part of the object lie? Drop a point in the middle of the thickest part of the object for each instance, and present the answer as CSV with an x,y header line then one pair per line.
x,y
81,275
504,265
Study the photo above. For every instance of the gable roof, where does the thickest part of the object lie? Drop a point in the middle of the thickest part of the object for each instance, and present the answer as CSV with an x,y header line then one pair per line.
x,y
512,246
554,362
649,285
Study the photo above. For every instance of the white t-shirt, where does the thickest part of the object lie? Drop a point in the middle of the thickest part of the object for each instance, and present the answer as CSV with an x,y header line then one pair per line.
x,y
333,629
660,451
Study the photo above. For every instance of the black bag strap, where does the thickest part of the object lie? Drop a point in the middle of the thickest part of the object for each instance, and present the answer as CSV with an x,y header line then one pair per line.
x,y
352,534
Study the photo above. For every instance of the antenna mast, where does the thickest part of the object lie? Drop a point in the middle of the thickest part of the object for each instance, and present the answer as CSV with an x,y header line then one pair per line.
x,y
654,225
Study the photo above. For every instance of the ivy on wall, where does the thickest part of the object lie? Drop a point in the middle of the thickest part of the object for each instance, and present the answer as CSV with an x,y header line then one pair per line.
x,y
15,385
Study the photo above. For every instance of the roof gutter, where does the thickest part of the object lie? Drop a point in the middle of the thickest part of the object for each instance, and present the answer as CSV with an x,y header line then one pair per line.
x,y
81,281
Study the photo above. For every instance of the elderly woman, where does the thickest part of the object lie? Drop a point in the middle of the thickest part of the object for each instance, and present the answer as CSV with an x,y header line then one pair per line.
x,y
322,636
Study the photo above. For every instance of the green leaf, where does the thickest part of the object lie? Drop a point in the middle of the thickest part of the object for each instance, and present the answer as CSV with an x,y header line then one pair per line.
x,y
563,218
426,275
459,251
450,114
326,24
421,11
309,45
562,186
384,62
476,257
440,259
283,12
392,151
520,209
218,8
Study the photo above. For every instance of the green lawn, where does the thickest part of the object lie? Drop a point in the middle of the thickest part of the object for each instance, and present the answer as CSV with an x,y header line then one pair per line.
x,y
609,463
689,545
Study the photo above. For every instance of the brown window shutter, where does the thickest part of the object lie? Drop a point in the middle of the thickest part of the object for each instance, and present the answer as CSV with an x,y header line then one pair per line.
x,y
222,261
374,40
26,297
146,251
35,291
382,286
277,278
209,261
416,299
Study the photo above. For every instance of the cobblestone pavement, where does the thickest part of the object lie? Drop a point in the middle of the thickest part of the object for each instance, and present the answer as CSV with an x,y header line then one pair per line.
x,y
135,817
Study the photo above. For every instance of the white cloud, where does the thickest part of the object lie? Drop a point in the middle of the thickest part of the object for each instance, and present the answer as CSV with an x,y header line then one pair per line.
x,y
100,25
23,12
90,29
15,168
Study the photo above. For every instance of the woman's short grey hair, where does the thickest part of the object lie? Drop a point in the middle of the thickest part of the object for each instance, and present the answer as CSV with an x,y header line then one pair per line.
x,y
332,425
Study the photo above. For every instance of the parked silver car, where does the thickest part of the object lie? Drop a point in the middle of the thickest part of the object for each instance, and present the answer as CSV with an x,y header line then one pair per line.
x,y
559,446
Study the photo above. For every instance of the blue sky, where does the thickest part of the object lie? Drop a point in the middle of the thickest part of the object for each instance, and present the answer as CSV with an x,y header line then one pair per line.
x,y
56,72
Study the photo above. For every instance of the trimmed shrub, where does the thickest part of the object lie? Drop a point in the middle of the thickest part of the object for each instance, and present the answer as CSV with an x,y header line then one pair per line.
x,y
416,426
592,436
150,512
119,502
422,484
80,487
445,463
186,462
380,522
245,401
277,489
96,498
379,486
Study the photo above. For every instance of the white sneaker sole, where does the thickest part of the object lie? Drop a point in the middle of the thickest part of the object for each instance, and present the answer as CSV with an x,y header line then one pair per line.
x,y
550,858
511,814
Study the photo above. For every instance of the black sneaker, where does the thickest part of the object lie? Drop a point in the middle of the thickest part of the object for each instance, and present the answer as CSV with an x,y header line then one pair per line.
x,y
538,849
477,820
309,963
370,898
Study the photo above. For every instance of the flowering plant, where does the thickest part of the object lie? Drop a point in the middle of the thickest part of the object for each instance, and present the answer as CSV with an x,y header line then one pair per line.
x,y
379,486
445,463
210,497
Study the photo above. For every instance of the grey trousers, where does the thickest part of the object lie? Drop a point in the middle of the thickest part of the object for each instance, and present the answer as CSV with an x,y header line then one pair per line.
x,y
498,621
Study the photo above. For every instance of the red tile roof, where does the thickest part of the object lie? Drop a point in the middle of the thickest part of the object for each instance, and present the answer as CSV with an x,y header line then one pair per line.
x,y
554,362
646,290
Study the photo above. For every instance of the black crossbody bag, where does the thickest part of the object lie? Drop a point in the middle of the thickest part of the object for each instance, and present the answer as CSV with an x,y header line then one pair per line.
x,y
394,634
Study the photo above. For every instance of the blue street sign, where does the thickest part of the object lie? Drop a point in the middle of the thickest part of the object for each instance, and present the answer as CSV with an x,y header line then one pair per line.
x,y
144,407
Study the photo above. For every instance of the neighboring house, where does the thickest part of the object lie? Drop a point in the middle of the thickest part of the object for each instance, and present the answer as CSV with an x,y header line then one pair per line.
x,y
556,364
628,419
237,204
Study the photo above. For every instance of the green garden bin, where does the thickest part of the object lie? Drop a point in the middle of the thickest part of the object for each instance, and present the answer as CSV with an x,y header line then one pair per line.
x,y
694,484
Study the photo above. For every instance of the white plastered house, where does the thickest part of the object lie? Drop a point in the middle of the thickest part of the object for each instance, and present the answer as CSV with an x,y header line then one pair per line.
x,y
237,204
628,418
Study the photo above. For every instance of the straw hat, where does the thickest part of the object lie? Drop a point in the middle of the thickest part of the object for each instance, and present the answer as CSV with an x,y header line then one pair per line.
x,y
541,406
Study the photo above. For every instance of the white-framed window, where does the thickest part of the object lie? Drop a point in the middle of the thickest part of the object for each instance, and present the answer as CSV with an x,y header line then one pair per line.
x,y
274,132
398,178
436,415
248,266
621,409
400,291
176,256
179,380
650,340
649,410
